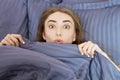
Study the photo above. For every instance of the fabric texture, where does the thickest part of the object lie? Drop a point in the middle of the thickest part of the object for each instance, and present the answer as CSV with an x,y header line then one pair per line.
x,y
99,18
100,22
13,17
81,1
96,68
54,1
35,9
21,64
49,61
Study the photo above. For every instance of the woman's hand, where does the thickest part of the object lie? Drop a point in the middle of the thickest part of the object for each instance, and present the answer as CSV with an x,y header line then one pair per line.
x,y
88,48
12,40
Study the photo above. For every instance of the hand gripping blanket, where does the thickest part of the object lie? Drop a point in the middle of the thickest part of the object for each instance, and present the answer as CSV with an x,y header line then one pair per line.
x,y
50,61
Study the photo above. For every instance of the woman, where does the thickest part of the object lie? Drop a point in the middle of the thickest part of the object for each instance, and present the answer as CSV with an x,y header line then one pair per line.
x,y
58,25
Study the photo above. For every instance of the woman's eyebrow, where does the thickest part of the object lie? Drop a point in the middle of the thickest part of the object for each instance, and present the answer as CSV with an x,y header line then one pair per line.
x,y
51,21
66,21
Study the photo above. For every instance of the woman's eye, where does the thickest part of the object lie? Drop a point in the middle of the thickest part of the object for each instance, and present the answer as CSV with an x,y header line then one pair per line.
x,y
66,27
51,26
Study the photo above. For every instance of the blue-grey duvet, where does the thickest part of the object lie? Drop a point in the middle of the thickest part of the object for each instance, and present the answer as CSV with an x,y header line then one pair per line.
x,y
50,61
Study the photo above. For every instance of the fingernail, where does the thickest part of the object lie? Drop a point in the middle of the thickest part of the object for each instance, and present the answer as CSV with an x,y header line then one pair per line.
x,y
82,53
92,56
23,42
88,56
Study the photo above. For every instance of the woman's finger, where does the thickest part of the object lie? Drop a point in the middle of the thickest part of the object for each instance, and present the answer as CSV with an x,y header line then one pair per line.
x,y
14,40
80,46
7,42
19,37
86,48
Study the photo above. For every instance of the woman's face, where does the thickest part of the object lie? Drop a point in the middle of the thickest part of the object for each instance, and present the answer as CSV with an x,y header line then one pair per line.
x,y
59,28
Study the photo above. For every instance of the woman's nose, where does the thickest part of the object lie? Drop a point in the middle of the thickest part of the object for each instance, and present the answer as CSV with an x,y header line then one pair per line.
x,y
58,32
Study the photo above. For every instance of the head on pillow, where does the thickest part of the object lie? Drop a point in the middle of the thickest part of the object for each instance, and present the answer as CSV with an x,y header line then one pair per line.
x,y
49,12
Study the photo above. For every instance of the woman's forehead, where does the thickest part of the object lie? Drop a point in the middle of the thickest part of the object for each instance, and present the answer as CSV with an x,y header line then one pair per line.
x,y
60,16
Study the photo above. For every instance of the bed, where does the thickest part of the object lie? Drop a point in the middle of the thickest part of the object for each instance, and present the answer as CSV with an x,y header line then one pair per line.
x,y
46,61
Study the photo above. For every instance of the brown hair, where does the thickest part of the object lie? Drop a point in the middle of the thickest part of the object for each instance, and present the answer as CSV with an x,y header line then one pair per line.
x,y
52,10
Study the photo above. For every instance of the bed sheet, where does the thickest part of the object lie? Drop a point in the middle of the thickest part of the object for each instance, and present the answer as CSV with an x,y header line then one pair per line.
x,y
51,61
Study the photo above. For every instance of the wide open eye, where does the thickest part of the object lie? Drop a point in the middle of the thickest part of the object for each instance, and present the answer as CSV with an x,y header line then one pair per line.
x,y
51,26
66,27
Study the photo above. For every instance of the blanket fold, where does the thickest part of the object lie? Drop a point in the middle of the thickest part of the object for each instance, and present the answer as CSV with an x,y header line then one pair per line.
x,y
51,61
19,64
